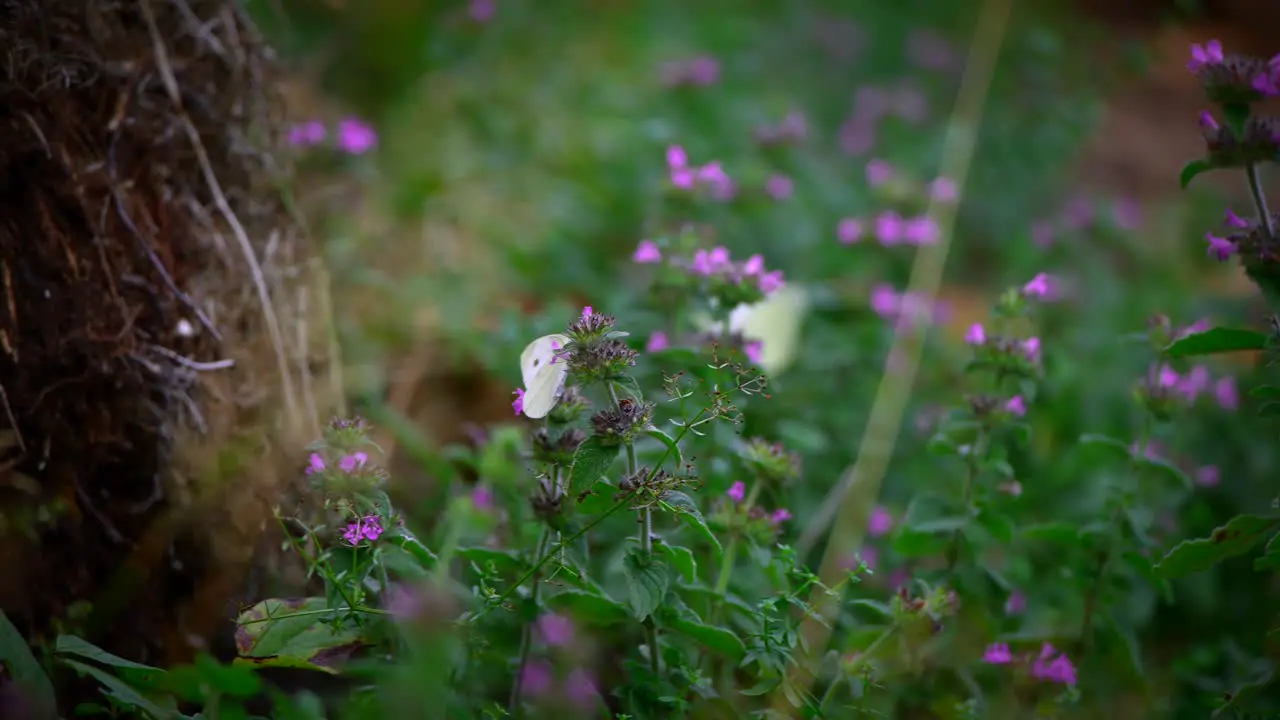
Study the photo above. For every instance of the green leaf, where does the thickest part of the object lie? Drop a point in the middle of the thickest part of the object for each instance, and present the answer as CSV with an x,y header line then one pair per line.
x,y
1191,170
501,559
401,564
947,524
1000,526
1054,532
647,581
1266,392
1107,442
1246,693
123,693
1271,409
591,461
591,608
72,645
910,542
1235,538
407,542
1166,468
1217,340
683,560
137,675
277,633
881,609
21,666
685,509
672,446
1270,559
207,676
715,639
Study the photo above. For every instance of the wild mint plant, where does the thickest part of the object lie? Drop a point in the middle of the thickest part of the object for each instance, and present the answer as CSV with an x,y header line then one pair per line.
x,y
1237,138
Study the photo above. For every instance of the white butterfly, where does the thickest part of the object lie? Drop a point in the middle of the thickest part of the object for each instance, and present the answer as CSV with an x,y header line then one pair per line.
x,y
543,373
773,322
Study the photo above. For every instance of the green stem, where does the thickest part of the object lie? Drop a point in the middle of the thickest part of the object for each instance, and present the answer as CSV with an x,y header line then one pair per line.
x,y
1260,200
731,552
646,546
526,637
864,655
976,453
1104,566
622,502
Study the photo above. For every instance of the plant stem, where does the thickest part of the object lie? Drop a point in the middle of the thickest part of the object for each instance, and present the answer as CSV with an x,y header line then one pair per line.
x,y
731,553
865,655
1104,565
976,452
646,546
526,637
1260,200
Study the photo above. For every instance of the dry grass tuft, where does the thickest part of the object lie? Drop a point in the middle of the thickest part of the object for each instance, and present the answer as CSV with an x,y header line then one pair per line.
x,y
160,319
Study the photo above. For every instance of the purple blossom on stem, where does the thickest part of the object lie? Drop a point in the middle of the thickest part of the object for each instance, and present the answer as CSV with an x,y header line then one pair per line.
x,y
1220,248
535,677
306,134
1208,54
368,528
356,137
555,630
1016,406
315,464
976,335
1208,476
647,253
849,231
1224,391
353,462
997,654
737,491
1054,668
518,403
878,172
880,523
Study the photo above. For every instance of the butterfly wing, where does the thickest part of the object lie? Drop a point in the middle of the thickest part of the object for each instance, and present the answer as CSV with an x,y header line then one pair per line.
x,y
538,354
544,374
775,322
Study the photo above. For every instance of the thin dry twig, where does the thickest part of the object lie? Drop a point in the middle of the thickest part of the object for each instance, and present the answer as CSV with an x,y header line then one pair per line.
x,y
224,208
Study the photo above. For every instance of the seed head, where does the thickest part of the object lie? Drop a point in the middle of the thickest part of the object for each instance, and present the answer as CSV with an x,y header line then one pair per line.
x,y
623,422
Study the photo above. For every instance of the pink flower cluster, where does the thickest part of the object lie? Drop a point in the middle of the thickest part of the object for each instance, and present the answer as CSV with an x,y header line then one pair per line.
x,y
737,492
351,463
890,304
538,680
710,177
872,104
1029,348
1049,666
1195,383
354,137
1266,82
717,263
698,72
368,528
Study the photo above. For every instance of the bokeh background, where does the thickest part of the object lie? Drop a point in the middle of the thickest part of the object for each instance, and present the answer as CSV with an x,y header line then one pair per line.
x,y
509,156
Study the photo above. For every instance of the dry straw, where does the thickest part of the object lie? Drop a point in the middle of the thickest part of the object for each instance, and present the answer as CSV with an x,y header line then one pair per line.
x,y
159,330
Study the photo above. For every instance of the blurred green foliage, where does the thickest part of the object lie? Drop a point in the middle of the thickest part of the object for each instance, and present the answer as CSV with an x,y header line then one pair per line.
x,y
541,133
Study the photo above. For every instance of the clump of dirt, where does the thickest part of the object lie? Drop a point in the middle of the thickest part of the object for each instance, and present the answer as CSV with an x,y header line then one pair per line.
x,y
149,314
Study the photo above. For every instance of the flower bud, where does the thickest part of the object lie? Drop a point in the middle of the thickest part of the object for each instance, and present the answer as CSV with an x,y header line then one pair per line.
x,y
624,422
